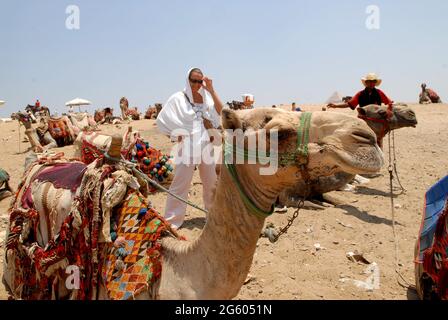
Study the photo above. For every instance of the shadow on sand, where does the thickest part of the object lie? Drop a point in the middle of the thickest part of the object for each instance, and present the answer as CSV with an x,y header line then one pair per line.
x,y
373,192
365,216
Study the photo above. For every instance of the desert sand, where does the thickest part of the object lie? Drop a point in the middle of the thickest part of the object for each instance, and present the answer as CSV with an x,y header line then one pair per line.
x,y
292,268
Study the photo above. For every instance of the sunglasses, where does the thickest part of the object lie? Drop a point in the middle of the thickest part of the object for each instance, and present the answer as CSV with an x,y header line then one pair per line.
x,y
196,81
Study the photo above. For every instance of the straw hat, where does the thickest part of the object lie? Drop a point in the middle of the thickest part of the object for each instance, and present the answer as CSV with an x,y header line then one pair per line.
x,y
373,77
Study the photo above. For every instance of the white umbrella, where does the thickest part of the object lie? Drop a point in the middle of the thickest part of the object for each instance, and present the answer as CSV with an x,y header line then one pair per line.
x,y
2,102
78,102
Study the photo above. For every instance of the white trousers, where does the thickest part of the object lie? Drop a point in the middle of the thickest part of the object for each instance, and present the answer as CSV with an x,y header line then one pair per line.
x,y
183,175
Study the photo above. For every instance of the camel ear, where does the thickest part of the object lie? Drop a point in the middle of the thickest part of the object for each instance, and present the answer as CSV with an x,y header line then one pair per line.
x,y
361,111
382,113
230,119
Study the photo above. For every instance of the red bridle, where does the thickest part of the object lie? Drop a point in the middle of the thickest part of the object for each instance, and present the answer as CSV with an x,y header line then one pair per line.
x,y
385,128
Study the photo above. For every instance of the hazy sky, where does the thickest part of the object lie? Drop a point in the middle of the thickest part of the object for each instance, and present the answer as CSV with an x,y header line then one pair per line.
x,y
280,51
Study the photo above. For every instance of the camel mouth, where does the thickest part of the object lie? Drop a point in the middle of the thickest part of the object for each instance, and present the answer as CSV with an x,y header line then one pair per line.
x,y
367,158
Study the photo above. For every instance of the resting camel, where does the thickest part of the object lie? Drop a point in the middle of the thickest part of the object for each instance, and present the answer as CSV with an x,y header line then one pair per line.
x,y
153,111
39,139
428,96
381,123
215,265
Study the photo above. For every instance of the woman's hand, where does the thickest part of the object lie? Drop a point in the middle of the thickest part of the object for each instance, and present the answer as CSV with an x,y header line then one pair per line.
x,y
208,85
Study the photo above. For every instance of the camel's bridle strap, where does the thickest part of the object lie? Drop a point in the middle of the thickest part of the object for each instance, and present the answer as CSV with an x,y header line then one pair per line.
x,y
385,122
299,158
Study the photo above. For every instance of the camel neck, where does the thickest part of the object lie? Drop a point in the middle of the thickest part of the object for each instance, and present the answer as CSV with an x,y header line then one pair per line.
x,y
226,245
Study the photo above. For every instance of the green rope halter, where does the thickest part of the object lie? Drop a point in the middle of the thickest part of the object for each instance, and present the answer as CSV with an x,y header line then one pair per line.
x,y
299,157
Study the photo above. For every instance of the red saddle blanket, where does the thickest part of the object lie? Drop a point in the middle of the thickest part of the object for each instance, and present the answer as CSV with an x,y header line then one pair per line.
x,y
63,175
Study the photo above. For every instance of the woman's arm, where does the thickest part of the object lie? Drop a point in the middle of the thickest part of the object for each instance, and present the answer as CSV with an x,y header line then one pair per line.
x,y
209,87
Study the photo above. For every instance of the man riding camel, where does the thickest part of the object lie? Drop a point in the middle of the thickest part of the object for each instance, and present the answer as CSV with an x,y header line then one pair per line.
x,y
370,95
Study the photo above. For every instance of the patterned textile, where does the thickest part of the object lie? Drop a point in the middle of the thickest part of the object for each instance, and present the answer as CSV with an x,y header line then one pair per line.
x,y
433,95
435,261
39,270
59,131
134,267
90,153
151,161
64,175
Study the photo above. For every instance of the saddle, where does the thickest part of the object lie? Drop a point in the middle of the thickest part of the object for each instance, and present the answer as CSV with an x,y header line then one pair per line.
x,y
58,128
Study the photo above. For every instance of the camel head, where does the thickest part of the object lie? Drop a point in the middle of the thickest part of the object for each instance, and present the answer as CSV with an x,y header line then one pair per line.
x,y
337,143
376,116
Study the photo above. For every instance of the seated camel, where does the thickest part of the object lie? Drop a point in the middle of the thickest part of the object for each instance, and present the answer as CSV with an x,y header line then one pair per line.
x,y
95,220
379,120
132,114
106,115
428,96
40,138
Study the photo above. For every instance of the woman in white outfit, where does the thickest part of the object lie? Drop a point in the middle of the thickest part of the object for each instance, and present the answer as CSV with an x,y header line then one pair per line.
x,y
186,117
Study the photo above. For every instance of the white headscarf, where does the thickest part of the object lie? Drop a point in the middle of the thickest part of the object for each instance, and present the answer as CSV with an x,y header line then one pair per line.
x,y
177,117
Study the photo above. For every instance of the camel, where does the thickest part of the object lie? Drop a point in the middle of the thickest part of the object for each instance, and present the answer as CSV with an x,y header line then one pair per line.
x,y
132,114
124,105
153,110
106,115
216,264
428,96
378,120
381,120
39,139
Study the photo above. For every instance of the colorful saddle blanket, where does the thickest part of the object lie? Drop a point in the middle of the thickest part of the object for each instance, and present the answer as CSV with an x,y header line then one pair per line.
x,y
58,128
433,238
136,265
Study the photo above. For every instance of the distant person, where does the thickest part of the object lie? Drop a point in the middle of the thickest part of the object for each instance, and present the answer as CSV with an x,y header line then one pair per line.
x,y
70,110
294,108
370,95
37,104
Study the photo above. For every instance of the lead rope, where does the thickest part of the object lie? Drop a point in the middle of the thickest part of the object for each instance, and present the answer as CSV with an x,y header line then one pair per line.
x,y
400,278
403,190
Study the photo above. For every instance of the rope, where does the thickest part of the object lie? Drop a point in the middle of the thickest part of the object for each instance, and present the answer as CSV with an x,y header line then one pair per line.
x,y
404,283
160,187
403,190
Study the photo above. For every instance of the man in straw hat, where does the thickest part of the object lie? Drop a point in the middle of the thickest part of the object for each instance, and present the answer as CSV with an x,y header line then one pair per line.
x,y
370,95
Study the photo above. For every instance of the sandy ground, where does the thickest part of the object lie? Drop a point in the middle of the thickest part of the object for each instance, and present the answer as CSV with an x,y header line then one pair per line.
x,y
292,268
